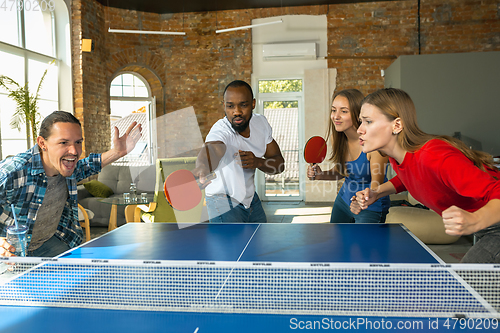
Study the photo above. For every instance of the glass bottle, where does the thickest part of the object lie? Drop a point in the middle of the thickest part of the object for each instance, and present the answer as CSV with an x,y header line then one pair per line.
x,y
133,192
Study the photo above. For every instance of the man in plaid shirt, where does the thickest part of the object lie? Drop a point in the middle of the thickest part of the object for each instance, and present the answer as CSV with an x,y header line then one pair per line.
x,y
41,183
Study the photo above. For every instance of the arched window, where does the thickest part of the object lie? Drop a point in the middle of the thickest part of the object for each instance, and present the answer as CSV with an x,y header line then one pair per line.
x,y
129,85
33,33
131,101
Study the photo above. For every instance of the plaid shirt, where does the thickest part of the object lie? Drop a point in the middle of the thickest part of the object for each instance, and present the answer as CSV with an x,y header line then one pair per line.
x,y
23,182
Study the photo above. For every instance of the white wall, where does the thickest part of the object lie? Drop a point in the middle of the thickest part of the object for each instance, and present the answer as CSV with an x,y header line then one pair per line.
x,y
453,93
319,85
294,29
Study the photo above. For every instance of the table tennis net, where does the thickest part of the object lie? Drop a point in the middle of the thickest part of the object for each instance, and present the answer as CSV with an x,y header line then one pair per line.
x,y
417,290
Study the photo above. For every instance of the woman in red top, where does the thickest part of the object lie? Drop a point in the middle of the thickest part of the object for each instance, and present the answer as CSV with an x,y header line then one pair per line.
x,y
460,184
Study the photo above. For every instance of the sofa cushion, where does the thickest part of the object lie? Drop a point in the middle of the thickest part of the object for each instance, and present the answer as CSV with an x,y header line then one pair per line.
x,y
118,178
98,189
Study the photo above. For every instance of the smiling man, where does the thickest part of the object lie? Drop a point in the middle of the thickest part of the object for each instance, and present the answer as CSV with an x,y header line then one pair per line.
x,y
235,147
41,184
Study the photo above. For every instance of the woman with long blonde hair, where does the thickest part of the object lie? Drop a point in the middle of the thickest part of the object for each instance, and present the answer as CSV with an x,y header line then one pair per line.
x,y
460,184
358,168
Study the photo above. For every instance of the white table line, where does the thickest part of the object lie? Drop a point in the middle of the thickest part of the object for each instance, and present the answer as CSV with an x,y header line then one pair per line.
x,y
241,254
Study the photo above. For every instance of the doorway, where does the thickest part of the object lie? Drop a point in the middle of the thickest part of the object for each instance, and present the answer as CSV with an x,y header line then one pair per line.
x,y
280,101
131,100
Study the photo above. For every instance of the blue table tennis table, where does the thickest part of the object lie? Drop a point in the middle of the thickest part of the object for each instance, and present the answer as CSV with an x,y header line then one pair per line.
x,y
247,244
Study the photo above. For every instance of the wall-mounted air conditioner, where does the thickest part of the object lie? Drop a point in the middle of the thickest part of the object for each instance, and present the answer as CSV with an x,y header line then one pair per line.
x,y
290,51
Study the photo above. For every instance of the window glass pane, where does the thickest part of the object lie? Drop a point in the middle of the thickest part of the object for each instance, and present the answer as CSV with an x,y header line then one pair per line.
x,y
128,91
9,31
140,88
116,86
138,82
13,141
280,86
115,91
15,69
117,81
49,89
141,92
46,107
13,146
128,85
38,26
7,109
128,79
284,122
39,37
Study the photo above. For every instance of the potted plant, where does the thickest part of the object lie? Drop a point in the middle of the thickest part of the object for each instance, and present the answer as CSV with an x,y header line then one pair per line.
x,y
26,106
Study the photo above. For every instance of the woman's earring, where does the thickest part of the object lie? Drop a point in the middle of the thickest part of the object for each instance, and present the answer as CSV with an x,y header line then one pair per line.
x,y
395,133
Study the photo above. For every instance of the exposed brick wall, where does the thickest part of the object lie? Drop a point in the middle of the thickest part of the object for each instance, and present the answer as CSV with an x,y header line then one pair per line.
x,y
89,84
369,31
391,29
460,26
76,64
192,70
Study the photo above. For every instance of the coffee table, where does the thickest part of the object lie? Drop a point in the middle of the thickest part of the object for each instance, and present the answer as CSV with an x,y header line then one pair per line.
x,y
119,201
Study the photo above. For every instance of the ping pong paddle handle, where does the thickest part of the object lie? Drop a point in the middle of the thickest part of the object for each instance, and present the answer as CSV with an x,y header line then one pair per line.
x,y
313,177
315,151
209,177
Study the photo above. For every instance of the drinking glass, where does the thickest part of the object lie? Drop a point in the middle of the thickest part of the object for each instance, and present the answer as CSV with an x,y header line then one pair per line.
x,y
16,236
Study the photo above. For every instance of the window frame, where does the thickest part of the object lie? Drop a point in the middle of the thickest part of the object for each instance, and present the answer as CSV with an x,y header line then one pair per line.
x,y
136,75
59,16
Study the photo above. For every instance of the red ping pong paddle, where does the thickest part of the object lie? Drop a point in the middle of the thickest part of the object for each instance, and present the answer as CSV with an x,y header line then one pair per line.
x,y
182,189
315,150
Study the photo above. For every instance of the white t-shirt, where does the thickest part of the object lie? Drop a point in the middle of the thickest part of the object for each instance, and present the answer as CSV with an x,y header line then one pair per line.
x,y
232,179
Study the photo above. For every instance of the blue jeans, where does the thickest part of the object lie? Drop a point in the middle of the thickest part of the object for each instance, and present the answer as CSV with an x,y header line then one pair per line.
x,y
341,213
221,209
51,248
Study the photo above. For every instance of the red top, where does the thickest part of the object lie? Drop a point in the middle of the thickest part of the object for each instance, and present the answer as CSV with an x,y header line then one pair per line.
x,y
439,176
